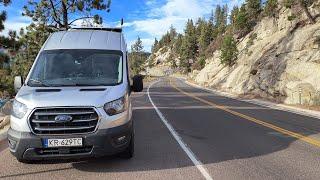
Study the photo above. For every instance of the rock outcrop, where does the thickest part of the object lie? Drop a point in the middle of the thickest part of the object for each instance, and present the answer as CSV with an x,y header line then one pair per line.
x,y
282,63
279,59
160,63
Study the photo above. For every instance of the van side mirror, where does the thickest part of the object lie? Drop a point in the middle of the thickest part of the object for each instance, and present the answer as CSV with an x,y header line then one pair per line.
x,y
18,81
137,83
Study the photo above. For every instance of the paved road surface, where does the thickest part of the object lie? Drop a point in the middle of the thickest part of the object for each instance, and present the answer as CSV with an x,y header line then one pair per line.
x,y
197,135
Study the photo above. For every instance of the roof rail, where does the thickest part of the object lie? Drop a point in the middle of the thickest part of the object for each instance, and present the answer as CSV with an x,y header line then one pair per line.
x,y
119,30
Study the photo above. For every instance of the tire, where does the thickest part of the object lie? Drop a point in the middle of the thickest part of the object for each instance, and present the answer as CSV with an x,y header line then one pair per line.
x,y
24,161
128,153
137,83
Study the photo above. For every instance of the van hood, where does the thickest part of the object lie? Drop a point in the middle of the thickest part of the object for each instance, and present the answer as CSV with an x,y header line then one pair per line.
x,y
35,97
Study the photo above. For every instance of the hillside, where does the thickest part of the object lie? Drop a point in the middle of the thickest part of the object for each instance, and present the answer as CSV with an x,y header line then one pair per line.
x,y
279,59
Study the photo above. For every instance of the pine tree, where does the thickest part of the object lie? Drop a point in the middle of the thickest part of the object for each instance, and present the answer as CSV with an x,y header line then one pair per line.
x,y
221,18
136,57
172,61
3,14
217,16
271,8
199,26
205,38
234,15
211,26
254,9
189,46
242,25
154,47
229,51
60,11
137,47
172,34
177,47
31,42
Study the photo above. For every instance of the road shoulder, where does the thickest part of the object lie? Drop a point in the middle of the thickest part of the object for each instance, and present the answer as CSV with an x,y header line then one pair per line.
x,y
282,107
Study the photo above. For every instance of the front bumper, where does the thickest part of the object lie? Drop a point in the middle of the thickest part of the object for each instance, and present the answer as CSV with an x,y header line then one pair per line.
x,y
27,146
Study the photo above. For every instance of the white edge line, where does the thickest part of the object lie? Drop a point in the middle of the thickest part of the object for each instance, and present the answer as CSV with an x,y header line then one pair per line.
x,y
186,149
259,102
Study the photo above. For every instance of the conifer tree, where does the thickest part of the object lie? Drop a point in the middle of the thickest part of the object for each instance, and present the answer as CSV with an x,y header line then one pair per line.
x,y
177,48
229,51
3,14
189,46
205,38
136,57
220,18
154,47
270,8
241,24
254,9
234,14
58,12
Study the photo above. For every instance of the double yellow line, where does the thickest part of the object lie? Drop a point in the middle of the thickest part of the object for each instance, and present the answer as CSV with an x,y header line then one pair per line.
x,y
257,121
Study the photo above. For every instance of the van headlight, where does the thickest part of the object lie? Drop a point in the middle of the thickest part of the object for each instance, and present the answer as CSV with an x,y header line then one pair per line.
x,y
18,109
117,106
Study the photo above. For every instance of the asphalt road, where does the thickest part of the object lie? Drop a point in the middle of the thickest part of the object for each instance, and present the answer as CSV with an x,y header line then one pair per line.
x,y
188,133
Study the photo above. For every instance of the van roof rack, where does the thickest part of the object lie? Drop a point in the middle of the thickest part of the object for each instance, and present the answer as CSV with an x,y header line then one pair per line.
x,y
119,30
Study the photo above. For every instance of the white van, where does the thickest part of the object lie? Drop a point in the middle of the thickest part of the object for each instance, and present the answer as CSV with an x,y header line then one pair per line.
x,y
75,102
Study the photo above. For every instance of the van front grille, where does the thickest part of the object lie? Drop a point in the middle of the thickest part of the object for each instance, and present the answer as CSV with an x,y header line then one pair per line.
x,y
84,120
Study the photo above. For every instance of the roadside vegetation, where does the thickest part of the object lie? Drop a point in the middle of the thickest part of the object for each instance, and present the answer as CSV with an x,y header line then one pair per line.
x,y
222,31
137,57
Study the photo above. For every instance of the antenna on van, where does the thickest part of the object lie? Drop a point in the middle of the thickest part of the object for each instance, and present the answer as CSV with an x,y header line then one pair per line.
x,y
122,21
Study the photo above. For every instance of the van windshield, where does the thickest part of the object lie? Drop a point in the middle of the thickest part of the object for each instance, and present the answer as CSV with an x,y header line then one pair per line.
x,y
77,68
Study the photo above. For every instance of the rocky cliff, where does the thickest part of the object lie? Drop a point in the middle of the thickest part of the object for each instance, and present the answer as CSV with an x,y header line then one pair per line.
x,y
279,59
282,61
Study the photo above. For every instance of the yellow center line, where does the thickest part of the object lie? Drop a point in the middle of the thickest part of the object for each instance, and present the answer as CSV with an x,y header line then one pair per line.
x,y
257,121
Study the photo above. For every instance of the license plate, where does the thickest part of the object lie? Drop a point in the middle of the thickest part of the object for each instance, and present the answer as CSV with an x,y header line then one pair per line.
x,y
70,142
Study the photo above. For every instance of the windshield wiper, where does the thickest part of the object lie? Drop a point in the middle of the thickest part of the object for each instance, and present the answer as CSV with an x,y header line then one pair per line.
x,y
84,84
39,82
81,84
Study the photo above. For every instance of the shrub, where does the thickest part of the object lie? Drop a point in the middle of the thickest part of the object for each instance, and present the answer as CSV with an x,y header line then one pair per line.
x,y
288,3
292,17
252,37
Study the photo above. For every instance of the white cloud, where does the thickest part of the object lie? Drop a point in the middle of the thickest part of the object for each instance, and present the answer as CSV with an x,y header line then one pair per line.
x,y
13,25
176,13
173,12
159,17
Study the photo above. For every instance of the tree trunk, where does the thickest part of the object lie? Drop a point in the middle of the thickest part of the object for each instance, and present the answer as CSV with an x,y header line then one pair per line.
x,y
65,15
306,11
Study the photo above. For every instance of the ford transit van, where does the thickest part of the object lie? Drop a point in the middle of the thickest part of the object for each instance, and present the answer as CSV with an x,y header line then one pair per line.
x,y
75,101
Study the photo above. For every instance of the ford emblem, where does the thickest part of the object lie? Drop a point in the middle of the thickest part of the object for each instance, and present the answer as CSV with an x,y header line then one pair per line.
x,y
63,118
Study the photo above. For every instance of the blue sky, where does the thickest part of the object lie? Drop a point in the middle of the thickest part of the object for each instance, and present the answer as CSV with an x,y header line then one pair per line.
x,y
148,19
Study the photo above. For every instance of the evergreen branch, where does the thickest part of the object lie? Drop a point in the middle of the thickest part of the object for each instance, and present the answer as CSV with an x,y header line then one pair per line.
x,y
55,14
